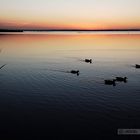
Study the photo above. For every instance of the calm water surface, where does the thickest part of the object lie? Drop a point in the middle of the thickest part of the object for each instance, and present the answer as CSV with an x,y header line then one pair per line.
x,y
39,97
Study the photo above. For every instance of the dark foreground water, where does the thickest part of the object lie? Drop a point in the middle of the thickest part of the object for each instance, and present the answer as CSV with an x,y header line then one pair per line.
x,y
39,98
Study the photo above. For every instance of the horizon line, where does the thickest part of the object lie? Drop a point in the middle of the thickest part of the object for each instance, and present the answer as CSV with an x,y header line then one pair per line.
x,y
45,30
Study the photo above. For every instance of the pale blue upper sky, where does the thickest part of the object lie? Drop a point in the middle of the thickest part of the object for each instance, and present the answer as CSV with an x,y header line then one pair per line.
x,y
70,13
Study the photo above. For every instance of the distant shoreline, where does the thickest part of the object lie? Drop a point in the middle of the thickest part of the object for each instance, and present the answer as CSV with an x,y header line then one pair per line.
x,y
72,30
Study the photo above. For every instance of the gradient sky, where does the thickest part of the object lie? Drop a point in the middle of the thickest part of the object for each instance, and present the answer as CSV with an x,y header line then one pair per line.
x,y
69,14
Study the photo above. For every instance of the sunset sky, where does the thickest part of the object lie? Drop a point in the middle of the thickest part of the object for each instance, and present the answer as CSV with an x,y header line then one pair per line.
x,y
69,14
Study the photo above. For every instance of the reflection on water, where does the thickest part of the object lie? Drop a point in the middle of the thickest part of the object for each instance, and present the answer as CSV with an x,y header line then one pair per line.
x,y
39,94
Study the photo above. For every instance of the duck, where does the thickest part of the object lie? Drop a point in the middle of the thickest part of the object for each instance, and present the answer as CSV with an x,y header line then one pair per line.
x,y
121,79
88,60
75,72
137,66
110,82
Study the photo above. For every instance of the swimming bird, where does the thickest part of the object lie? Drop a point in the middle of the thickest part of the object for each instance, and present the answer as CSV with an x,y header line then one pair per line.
x,y
88,60
121,79
110,82
75,72
137,66
2,66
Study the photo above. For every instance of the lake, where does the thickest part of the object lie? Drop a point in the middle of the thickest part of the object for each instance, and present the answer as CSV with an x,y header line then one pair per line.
x,y
39,97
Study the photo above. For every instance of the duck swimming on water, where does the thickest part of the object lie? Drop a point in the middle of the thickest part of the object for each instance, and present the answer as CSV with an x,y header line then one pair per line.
x,y
110,82
121,79
88,60
137,66
75,72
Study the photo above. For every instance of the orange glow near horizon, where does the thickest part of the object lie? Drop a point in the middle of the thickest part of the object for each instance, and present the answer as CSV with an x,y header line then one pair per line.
x,y
87,26
74,14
